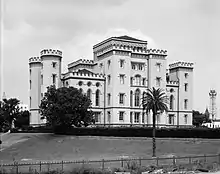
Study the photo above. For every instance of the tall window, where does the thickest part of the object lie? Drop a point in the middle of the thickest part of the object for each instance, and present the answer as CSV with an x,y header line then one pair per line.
x,y
140,67
97,98
109,63
109,116
131,82
143,115
121,98
171,119
138,80
137,98
136,117
186,75
158,65
30,84
185,104
109,79
122,78
30,102
158,79
186,87
109,98
131,117
171,102
121,116
133,66
144,81
89,92
54,79
122,62
97,117
131,98
41,78
185,119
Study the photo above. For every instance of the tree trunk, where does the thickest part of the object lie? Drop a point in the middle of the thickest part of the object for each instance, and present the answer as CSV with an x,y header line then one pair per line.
x,y
154,135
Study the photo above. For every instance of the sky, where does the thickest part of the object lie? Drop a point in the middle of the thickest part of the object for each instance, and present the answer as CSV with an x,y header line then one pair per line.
x,y
188,29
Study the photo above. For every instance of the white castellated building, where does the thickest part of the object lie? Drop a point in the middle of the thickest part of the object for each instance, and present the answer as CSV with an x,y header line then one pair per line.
x,y
121,70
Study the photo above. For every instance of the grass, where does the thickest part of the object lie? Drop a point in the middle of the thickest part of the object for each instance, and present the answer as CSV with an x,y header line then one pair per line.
x,y
44,147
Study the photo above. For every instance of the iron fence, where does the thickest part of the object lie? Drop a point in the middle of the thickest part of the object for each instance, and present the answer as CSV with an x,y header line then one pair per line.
x,y
103,164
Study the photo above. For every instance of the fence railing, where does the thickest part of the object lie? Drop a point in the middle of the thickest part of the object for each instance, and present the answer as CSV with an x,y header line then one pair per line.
x,y
103,164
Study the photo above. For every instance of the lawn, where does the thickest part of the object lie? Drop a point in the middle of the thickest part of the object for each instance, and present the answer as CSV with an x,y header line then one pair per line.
x,y
34,147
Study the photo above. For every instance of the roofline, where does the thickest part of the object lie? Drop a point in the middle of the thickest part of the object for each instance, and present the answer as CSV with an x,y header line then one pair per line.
x,y
115,38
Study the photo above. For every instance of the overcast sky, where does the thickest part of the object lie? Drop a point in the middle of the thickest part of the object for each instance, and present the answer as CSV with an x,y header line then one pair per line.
x,y
188,29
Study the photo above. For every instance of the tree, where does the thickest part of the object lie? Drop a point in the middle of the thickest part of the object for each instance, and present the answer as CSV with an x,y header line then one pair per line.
x,y
22,119
199,118
9,110
154,100
66,107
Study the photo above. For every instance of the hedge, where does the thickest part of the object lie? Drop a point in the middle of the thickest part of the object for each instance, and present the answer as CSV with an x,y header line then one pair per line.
x,y
142,132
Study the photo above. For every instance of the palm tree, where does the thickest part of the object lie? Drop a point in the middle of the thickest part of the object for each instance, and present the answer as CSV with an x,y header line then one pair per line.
x,y
154,100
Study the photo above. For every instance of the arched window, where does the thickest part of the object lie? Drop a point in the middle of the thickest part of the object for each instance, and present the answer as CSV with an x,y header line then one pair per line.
x,y
131,98
97,97
137,98
89,92
171,102
138,80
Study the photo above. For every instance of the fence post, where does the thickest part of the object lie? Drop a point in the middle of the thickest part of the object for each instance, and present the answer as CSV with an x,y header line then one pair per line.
x,y
62,166
174,160
157,161
40,166
190,160
140,161
103,164
122,163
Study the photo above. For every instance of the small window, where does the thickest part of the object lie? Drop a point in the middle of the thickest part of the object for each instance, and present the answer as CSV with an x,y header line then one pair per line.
x,y
80,83
109,79
186,87
133,66
122,78
67,83
101,65
89,83
80,90
121,116
185,104
158,65
109,63
121,98
158,79
140,67
30,84
54,78
109,98
144,81
97,84
54,64
186,119
171,119
186,75
122,62
41,79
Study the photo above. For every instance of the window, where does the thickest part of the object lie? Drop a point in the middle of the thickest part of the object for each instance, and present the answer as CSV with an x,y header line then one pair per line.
x,y
136,117
97,98
89,93
171,102
97,84
158,79
186,75
30,84
186,87
121,98
109,63
185,119
89,83
131,82
54,78
80,83
54,64
185,104
158,118
171,119
41,78
138,80
30,102
109,117
122,78
131,98
144,81
101,65
121,116
97,117
133,66
131,117
109,79
67,83
137,98
143,115
158,65
80,90
140,67
122,62
109,98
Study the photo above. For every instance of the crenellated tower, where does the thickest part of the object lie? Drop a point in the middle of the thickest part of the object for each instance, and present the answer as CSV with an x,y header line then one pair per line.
x,y
51,72
35,67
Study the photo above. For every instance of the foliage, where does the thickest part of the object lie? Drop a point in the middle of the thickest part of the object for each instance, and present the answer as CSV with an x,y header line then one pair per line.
x,y
22,120
9,111
66,107
199,118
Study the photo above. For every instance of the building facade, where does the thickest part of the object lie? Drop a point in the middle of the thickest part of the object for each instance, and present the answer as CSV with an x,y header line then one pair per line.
x,y
121,70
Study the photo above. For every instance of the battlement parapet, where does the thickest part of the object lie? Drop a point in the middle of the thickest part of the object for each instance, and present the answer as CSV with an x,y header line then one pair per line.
x,y
83,75
173,83
35,60
181,64
156,51
51,52
81,61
